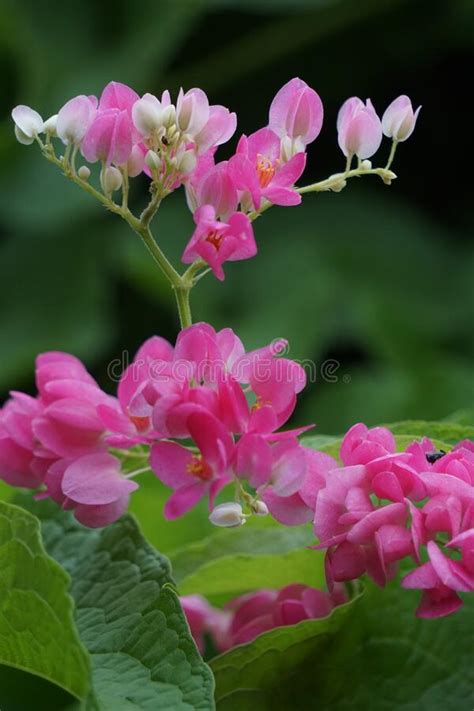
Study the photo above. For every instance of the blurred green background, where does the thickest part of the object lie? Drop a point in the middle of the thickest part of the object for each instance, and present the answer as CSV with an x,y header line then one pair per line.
x,y
378,279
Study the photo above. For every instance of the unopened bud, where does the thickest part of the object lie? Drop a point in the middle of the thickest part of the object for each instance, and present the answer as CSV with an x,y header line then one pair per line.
x,y
50,125
366,165
111,180
227,515
388,176
153,161
187,162
135,162
260,508
168,116
84,172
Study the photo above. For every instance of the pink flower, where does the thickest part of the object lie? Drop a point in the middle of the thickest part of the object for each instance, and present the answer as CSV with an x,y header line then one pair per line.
x,y
216,242
118,96
296,112
192,111
359,128
191,475
218,129
260,611
109,138
217,188
92,486
203,619
19,465
360,445
399,119
258,170
74,119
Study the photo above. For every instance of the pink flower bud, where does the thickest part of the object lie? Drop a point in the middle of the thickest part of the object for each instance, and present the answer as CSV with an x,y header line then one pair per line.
x,y
217,189
28,123
359,128
192,111
136,161
399,119
297,112
108,138
219,128
74,119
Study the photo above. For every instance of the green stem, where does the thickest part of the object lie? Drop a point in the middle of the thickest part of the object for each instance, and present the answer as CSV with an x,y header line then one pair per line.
x,y
392,154
184,309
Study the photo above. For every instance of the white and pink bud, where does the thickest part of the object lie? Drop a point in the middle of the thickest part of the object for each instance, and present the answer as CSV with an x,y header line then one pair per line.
x,y
399,119
84,172
149,114
136,162
260,508
74,119
187,162
359,128
153,161
192,111
297,112
28,124
227,515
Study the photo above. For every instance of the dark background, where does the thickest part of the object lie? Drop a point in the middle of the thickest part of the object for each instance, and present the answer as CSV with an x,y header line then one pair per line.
x,y
376,278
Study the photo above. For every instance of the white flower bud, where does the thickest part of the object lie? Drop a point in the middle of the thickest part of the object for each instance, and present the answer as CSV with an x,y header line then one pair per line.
x,y
153,161
111,180
147,115
187,162
168,116
84,172
227,515
366,165
260,508
50,125
28,124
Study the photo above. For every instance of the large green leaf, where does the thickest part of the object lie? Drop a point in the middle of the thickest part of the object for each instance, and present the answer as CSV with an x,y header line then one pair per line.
x,y
128,616
37,631
234,562
382,659
268,663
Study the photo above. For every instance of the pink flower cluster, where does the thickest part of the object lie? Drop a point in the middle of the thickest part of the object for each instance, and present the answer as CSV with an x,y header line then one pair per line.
x,y
175,144
382,507
70,440
248,616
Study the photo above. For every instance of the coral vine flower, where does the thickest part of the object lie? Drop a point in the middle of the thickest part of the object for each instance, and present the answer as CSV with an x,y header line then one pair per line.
x,y
216,242
258,170
108,138
399,119
359,129
191,474
74,119
28,124
296,112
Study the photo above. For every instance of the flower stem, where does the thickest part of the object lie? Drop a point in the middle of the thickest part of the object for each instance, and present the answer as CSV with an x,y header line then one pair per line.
x,y
392,154
184,309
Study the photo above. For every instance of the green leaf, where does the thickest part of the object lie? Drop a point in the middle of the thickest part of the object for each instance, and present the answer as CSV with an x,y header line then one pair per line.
x,y
128,616
381,658
267,662
37,631
230,563
449,432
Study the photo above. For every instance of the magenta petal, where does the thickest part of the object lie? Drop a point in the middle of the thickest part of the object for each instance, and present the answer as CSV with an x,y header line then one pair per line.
x,y
96,479
289,510
169,462
183,499
103,515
